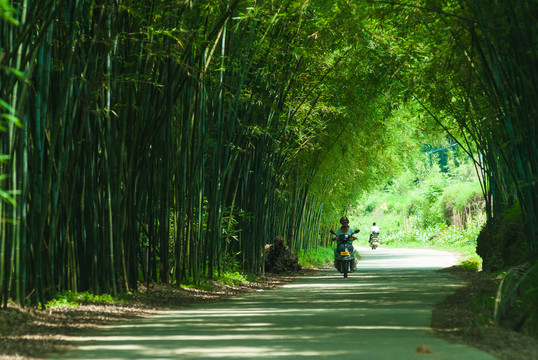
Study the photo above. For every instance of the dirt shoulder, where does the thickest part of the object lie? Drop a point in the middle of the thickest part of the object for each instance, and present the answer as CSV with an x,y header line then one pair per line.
x,y
466,317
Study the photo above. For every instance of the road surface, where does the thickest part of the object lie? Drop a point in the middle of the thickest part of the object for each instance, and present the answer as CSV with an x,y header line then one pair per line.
x,y
381,311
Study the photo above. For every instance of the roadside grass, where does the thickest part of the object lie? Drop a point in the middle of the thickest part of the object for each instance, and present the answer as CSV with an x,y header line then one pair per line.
x,y
69,298
228,278
316,257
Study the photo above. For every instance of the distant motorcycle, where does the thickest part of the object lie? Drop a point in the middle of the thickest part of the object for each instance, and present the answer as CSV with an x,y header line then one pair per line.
x,y
374,241
344,257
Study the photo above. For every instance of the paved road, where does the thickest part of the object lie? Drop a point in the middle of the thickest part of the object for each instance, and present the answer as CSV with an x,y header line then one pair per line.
x,y
382,311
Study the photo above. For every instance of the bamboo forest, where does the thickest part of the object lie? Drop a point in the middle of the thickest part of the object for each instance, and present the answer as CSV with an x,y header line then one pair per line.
x,y
170,140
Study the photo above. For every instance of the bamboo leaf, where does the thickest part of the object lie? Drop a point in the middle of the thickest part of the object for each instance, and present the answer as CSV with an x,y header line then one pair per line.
x,y
6,196
6,106
6,12
12,118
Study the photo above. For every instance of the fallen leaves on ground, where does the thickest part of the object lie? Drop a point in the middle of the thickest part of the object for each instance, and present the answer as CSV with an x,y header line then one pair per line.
x,y
462,318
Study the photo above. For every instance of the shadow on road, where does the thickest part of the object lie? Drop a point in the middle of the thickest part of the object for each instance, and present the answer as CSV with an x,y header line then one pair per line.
x,y
376,313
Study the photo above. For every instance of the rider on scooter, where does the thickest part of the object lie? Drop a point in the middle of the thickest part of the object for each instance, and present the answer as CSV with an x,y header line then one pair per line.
x,y
341,246
344,229
373,230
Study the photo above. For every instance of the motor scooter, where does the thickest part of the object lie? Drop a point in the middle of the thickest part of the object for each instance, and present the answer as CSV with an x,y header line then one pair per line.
x,y
374,241
344,257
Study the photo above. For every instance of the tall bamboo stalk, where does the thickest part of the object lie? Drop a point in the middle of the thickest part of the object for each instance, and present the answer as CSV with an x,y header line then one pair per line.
x,y
141,132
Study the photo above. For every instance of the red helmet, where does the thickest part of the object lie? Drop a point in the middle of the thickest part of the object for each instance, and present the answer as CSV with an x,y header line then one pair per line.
x,y
344,220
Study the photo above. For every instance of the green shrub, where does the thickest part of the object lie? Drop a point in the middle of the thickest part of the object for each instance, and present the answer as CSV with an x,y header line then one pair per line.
x,y
232,278
414,203
462,198
227,278
471,264
318,256
69,298
505,246
434,188
462,195
369,207
516,303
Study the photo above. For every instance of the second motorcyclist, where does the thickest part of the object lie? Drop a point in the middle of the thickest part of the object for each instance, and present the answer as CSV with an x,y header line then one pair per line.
x,y
373,231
